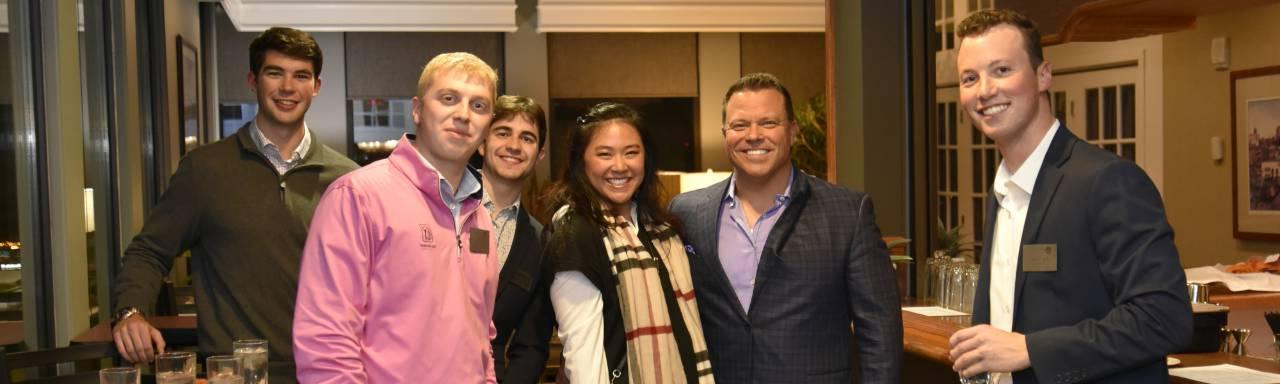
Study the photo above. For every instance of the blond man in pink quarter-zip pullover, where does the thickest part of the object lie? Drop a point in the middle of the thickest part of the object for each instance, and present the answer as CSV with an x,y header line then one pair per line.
x,y
398,275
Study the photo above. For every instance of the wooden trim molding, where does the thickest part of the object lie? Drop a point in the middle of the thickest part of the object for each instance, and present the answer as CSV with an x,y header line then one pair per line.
x,y
1112,20
680,16
375,15
831,90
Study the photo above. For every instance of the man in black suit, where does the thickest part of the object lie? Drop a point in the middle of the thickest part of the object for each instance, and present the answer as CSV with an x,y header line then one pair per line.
x,y
783,262
522,314
1080,279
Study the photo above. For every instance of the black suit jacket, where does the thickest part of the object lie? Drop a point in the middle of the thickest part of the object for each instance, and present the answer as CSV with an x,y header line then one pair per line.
x,y
522,314
824,266
1117,303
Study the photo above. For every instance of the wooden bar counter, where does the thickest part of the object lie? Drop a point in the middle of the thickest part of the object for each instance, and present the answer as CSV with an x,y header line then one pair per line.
x,y
925,341
177,331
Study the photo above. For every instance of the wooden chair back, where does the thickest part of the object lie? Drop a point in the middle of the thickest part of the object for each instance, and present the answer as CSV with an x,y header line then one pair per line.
x,y
47,360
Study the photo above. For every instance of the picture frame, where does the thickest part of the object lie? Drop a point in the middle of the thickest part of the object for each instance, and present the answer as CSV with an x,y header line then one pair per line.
x,y
1255,151
190,125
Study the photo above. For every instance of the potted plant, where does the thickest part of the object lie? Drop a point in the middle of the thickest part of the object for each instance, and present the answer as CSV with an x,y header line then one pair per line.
x,y
809,151
949,242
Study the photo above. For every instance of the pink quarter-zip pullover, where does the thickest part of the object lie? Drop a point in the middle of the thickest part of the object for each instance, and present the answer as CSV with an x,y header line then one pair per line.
x,y
392,289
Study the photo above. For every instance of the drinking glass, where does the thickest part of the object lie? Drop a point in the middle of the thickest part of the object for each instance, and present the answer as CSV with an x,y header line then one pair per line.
x,y
981,378
970,288
118,375
937,279
176,368
955,285
224,369
933,287
253,352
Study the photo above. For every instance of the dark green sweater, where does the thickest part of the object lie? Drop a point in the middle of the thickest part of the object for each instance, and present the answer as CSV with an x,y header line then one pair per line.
x,y
245,226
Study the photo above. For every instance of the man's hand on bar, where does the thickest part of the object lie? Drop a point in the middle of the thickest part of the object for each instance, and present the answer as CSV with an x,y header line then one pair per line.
x,y
134,337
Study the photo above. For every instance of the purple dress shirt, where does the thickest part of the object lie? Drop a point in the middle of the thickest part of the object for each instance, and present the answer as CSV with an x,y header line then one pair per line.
x,y
740,245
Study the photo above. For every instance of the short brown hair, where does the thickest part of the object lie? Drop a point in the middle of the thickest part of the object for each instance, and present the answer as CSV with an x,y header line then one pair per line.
x,y
287,41
757,82
509,106
463,62
982,21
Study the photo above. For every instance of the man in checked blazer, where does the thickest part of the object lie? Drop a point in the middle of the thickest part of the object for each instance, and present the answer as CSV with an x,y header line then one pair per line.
x,y
522,314
1080,279
783,262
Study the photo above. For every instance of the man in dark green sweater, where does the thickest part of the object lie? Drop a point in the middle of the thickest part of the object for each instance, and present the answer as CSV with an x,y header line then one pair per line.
x,y
242,206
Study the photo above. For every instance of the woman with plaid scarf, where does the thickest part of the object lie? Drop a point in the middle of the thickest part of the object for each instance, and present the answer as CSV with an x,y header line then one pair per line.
x,y
621,288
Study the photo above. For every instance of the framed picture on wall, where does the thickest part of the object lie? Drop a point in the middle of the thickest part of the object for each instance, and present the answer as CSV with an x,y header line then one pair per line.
x,y
190,129
1255,147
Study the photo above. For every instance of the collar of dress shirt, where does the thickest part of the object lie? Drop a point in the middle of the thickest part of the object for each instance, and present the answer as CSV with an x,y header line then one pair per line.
x,y
488,204
1025,177
455,196
263,142
732,197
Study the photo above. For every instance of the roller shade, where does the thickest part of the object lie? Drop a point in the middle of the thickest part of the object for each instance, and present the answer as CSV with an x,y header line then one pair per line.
x,y
605,65
387,64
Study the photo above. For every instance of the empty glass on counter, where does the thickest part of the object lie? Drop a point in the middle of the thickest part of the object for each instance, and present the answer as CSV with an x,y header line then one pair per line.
x,y
176,368
970,286
955,284
118,375
224,369
936,266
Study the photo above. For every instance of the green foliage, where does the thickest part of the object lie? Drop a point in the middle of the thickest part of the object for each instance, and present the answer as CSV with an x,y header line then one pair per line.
x,y
950,241
809,152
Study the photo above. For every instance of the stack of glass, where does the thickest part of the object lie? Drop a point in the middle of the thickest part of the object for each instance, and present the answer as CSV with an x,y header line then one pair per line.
x,y
936,266
952,283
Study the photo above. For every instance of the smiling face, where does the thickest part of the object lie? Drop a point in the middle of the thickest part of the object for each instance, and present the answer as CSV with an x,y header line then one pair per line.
x,y
285,87
999,88
511,148
614,162
452,115
758,135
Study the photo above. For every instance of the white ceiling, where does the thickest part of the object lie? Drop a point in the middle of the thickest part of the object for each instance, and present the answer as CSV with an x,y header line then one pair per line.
x,y
681,16
374,15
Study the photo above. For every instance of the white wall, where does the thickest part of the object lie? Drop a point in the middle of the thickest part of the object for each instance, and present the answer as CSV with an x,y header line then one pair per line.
x,y
719,65
327,117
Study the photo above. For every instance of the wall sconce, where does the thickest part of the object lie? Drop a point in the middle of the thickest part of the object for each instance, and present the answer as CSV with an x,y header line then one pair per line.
x,y
1220,53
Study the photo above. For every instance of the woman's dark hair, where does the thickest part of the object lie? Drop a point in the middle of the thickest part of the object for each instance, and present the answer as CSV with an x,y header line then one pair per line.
x,y
574,189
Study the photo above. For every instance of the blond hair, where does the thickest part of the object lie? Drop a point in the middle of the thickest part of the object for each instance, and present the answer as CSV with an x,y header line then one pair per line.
x,y
462,62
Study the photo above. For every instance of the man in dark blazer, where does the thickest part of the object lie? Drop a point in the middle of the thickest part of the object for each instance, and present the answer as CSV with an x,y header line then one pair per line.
x,y
1080,280
783,262
522,315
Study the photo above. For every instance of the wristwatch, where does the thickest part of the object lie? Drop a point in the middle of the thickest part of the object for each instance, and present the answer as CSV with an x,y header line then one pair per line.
x,y
125,313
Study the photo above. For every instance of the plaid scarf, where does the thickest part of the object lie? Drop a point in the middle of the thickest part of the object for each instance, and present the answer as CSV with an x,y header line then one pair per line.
x,y
653,353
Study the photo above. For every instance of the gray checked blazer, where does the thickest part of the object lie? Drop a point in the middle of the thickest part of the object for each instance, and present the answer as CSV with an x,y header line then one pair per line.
x,y
823,268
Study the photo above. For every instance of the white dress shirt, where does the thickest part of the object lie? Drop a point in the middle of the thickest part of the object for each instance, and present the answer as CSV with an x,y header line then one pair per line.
x,y
1012,191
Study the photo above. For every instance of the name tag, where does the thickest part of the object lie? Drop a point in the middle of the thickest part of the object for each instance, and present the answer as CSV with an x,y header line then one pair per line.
x,y
479,241
1040,258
